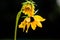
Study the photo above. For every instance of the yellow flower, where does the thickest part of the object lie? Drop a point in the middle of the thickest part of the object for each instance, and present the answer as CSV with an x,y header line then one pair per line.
x,y
36,22
28,8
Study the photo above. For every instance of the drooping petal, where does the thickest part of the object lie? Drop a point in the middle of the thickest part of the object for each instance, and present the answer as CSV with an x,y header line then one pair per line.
x,y
39,18
28,25
33,25
22,25
39,24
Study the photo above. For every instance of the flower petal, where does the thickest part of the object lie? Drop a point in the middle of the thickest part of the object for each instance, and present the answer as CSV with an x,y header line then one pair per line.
x,y
27,19
22,25
28,25
39,18
33,25
39,24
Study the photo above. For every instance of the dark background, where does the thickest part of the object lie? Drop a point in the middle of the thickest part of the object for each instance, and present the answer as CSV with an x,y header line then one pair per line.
x,y
47,9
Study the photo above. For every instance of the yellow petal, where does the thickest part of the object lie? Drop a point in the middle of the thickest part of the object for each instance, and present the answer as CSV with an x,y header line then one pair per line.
x,y
39,18
28,25
39,24
33,25
27,19
22,25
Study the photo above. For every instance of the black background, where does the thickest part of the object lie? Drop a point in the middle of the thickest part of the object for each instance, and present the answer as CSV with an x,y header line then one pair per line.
x,y
47,9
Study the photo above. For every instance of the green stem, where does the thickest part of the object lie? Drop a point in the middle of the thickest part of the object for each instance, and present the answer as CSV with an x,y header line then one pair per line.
x,y
17,19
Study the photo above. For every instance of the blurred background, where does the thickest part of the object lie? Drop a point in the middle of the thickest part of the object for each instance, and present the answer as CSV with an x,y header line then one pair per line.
x,y
48,9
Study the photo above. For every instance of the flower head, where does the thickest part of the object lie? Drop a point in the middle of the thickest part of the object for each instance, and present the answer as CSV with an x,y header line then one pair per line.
x,y
36,22
28,8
